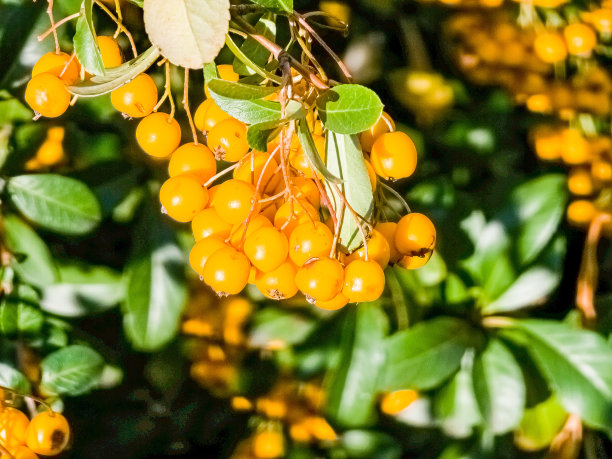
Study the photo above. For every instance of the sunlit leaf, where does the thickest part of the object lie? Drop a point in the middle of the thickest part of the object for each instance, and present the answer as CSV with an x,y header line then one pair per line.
x,y
349,108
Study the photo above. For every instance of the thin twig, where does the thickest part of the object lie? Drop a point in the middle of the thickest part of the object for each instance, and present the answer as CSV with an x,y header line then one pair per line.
x,y
53,28
50,14
186,105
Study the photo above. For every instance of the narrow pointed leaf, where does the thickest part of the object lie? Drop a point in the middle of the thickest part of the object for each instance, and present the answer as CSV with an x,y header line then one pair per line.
x,y
86,42
266,26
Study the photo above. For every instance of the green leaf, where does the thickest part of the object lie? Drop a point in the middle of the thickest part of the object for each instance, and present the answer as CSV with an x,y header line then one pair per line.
x,y
13,379
455,404
259,134
499,388
55,202
310,149
280,6
273,324
73,370
83,290
223,89
12,110
540,425
366,444
266,26
29,318
33,261
8,318
156,290
423,356
354,383
86,41
345,161
535,210
139,3
577,365
349,108
533,286
116,76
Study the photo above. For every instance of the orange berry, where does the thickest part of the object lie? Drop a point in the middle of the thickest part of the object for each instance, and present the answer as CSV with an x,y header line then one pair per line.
x,y
251,168
278,284
396,402
581,212
198,117
110,51
414,262
227,271
298,159
183,197
55,63
310,240
158,135
548,144
388,229
226,72
20,452
208,115
237,234
195,159
268,444
321,279
575,148
293,213
227,139
384,125
550,47
378,250
307,189
337,302
233,201
602,19
579,182
415,235
13,427
136,98
601,170
363,281
56,133
394,156
202,250
371,174
50,153
208,223
266,248
48,433
580,38
47,95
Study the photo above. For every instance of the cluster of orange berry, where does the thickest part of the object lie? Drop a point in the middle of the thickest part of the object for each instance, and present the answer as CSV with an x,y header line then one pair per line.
x,y
263,227
590,162
47,94
50,153
492,49
47,433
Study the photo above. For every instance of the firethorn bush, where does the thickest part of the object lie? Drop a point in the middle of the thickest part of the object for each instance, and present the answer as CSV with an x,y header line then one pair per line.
x,y
324,229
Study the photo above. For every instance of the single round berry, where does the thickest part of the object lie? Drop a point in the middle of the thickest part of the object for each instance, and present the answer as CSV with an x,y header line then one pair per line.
x,y
394,156
337,302
278,284
48,433
47,95
266,248
183,197
415,235
110,51
388,229
208,223
321,280
384,125
13,427
581,212
580,182
136,98
550,47
574,148
363,281
158,135
202,250
234,200
580,38
310,240
227,271
378,250
228,140
62,65
195,159
268,444
396,402
208,115
414,262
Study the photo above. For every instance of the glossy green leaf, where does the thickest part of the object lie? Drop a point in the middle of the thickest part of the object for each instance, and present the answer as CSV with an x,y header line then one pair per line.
x,y
423,356
33,261
55,202
280,6
83,290
13,379
349,108
156,290
86,42
455,404
273,324
540,425
8,318
117,76
576,363
310,149
73,370
499,387
258,135
18,315
345,161
266,26
353,384
223,89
